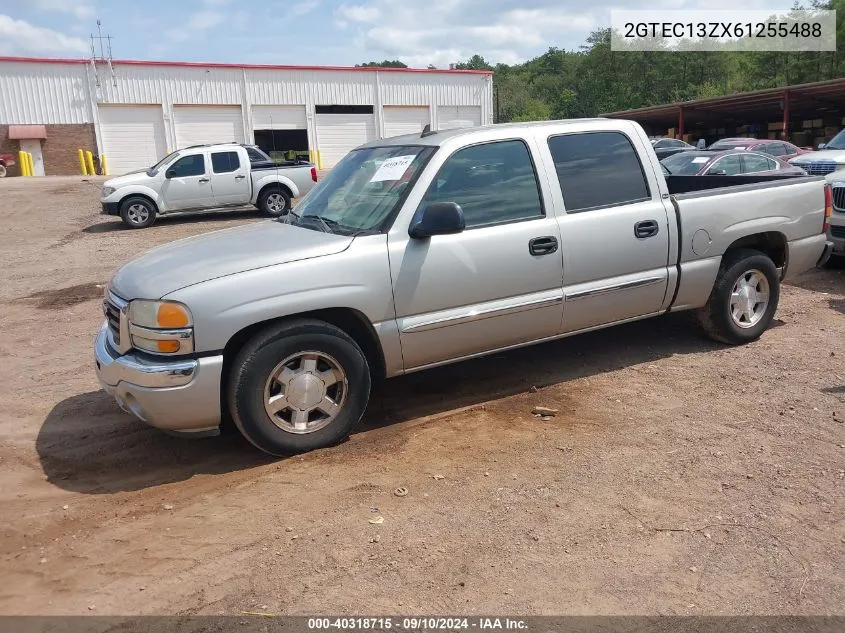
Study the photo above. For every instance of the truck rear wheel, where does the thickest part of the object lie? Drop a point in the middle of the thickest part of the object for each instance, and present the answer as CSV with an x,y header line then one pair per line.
x,y
137,213
298,386
744,298
274,201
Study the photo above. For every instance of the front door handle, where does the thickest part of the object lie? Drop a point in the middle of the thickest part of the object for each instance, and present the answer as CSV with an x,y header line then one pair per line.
x,y
240,177
646,228
542,245
203,180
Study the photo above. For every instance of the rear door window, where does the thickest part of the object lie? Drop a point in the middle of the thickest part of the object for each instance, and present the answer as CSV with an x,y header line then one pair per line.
x,y
597,170
755,163
225,162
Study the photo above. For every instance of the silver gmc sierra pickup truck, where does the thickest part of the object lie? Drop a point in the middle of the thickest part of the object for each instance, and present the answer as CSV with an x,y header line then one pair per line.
x,y
421,250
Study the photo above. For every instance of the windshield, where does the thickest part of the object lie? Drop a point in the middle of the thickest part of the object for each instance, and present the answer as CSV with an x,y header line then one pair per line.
x,y
837,142
685,163
164,161
363,190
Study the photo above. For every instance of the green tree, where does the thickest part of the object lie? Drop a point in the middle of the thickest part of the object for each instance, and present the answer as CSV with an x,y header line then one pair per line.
x,y
387,63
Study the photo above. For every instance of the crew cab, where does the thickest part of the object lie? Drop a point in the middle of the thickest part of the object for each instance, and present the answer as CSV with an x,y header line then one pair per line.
x,y
421,250
207,178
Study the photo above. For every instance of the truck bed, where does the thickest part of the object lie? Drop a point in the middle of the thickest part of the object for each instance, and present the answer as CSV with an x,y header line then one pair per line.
x,y
688,184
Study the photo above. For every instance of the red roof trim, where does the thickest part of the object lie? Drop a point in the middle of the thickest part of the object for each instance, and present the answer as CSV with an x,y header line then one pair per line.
x,y
137,62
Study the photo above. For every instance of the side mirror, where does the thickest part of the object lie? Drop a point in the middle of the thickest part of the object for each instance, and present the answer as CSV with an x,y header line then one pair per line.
x,y
821,145
170,173
437,218
718,172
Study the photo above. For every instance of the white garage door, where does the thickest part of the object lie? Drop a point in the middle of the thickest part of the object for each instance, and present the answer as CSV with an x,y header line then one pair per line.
x,y
279,118
133,137
197,125
449,117
405,120
339,133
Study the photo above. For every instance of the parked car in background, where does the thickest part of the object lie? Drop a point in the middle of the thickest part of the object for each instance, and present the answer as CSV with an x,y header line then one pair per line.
x,y
206,178
421,250
829,158
664,147
728,163
781,149
836,232
6,161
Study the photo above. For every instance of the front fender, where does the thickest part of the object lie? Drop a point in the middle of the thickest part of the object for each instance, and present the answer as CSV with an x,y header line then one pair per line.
x,y
138,190
271,179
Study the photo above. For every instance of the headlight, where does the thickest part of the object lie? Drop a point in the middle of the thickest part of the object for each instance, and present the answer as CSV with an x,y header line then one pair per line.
x,y
107,191
161,327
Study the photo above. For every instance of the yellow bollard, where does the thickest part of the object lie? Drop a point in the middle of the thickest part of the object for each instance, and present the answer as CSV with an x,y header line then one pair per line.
x,y
82,162
319,160
89,159
104,166
30,164
22,163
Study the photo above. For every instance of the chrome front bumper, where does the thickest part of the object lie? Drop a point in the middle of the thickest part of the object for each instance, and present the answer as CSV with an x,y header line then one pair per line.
x,y
175,395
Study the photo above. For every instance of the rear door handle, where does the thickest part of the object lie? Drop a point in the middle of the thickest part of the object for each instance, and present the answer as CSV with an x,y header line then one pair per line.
x,y
542,245
646,228
203,180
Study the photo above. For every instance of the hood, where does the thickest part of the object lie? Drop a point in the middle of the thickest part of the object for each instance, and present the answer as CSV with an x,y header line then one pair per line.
x,y
203,257
837,155
132,178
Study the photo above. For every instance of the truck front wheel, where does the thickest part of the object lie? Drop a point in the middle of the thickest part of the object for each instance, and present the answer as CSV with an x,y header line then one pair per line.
x,y
744,298
298,386
137,213
274,201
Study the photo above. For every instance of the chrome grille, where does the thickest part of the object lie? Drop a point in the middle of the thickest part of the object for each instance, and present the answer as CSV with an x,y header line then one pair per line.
x,y
818,167
839,198
115,310
113,317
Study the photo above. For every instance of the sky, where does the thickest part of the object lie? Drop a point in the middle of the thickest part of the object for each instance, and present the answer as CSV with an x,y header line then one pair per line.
x,y
317,32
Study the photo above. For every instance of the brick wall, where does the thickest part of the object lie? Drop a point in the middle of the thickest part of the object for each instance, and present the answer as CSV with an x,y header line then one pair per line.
x,y
59,149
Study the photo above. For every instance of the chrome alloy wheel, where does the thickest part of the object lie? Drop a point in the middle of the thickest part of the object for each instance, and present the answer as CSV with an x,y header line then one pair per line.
x,y
138,213
749,298
305,392
276,203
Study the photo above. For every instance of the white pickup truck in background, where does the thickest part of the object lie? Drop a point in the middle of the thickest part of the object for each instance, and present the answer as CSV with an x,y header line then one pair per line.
x,y
207,178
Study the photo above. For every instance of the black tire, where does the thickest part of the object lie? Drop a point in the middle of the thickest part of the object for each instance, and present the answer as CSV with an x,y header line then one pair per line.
x,y
3,170
254,363
269,198
135,218
715,317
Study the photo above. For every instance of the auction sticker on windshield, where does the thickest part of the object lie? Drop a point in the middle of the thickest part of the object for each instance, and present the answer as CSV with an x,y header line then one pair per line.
x,y
700,159
393,168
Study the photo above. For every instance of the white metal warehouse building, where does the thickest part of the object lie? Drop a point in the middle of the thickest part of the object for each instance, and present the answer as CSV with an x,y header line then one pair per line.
x,y
135,112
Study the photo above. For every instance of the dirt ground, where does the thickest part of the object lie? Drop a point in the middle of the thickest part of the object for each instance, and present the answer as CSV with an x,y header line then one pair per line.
x,y
680,477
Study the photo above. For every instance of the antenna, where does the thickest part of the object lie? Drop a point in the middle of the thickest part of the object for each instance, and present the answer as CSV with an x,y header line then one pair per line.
x,y
105,56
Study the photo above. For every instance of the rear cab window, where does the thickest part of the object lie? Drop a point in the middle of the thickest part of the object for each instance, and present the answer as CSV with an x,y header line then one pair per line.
x,y
598,170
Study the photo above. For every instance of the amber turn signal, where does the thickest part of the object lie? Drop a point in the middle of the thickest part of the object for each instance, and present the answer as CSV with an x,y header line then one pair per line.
x,y
168,347
172,315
